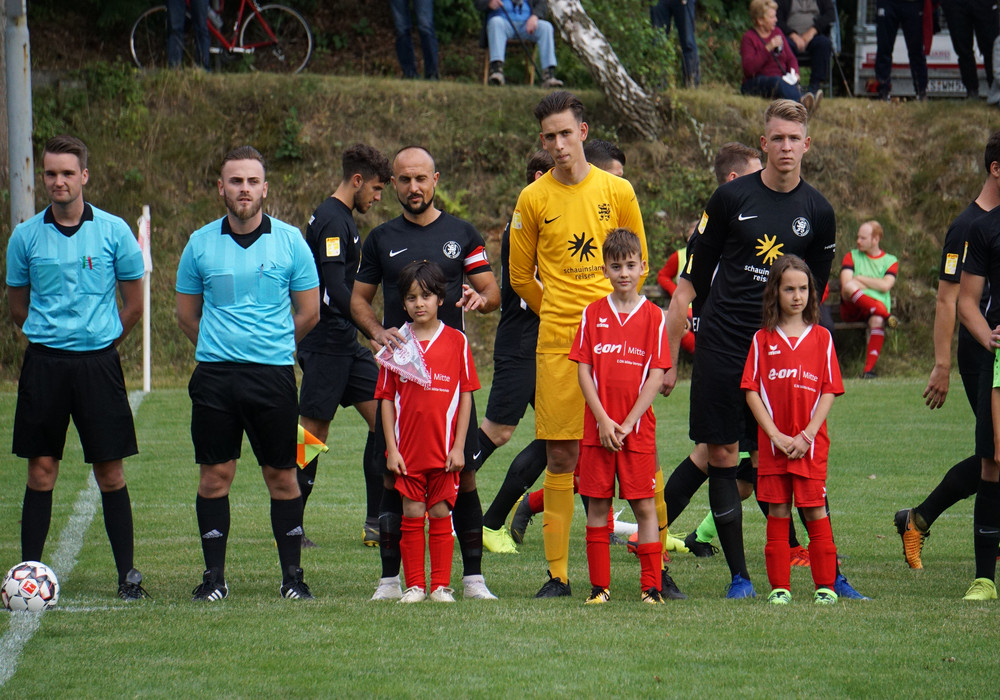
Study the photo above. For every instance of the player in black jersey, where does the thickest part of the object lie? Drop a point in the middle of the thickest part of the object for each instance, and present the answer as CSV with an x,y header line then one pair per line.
x,y
962,480
336,369
747,225
512,391
424,232
982,268
733,160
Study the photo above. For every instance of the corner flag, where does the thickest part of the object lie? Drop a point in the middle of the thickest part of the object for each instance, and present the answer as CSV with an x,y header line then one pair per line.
x,y
309,447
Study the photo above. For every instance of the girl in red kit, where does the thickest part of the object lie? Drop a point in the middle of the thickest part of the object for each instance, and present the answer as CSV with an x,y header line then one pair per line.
x,y
791,378
425,433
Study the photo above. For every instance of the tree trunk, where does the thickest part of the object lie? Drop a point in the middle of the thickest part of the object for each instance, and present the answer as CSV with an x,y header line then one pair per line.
x,y
637,110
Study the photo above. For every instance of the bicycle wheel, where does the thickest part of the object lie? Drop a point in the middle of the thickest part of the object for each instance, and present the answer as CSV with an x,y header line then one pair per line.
x,y
148,41
279,38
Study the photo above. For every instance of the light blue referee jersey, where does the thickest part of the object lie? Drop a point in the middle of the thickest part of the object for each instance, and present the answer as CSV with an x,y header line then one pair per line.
x,y
247,311
72,279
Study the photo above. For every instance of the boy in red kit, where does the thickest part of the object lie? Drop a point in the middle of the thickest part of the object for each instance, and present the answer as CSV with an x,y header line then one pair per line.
x,y
621,350
791,378
425,432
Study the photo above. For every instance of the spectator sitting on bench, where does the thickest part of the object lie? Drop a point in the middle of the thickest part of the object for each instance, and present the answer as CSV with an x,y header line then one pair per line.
x,y
807,24
505,20
866,277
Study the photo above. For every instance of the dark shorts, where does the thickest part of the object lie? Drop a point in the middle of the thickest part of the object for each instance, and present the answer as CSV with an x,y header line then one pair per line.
x,y
472,451
513,389
330,381
984,413
719,412
90,387
228,398
973,358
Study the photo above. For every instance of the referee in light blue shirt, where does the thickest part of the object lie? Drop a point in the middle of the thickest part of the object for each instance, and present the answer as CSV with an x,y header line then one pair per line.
x,y
63,268
247,291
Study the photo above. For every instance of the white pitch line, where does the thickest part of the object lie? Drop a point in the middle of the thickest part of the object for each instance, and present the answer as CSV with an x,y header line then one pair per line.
x,y
23,625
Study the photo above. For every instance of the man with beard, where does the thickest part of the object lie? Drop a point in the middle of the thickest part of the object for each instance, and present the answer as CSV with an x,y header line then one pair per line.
x,y
424,232
336,369
246,292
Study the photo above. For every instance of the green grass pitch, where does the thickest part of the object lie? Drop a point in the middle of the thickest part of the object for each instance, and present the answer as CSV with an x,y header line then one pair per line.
x,y
917,638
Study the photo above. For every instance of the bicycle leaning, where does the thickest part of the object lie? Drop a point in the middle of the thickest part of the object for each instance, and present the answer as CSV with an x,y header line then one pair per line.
x,y
272,38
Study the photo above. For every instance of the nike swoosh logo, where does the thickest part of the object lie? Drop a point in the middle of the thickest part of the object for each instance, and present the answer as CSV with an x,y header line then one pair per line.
x,y
357,238
394,253
719,515
988,532
476,456
549,221
746,218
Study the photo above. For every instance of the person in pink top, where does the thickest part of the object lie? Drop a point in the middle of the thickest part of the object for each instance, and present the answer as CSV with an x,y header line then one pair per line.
x,y
770,68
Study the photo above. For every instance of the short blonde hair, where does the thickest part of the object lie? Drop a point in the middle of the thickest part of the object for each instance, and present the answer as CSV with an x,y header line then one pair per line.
x,y
789,110
759,8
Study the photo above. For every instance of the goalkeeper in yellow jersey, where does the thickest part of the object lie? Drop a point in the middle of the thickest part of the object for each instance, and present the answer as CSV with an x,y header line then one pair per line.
x,y
558,228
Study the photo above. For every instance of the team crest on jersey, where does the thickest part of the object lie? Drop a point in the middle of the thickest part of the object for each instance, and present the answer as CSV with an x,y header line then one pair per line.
x,y
583,247
452,249
333,247
801,227
950,263
604,211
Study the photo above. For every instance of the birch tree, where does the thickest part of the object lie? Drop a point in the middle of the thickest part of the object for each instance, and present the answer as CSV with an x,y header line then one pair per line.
x,y
637,109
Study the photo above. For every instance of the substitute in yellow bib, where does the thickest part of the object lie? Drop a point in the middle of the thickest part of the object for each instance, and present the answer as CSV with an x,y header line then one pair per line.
x,y
558,228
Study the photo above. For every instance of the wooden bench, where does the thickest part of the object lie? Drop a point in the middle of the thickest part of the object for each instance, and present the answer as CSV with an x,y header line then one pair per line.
x,y
513,46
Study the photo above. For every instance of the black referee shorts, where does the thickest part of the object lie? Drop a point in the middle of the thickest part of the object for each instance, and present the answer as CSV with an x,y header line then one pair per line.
x,y
89,386
330,381
513,389
228,398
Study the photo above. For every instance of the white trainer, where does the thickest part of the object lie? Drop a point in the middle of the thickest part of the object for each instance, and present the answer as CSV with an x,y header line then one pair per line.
x,y
475,587
442,595
414,594
388,589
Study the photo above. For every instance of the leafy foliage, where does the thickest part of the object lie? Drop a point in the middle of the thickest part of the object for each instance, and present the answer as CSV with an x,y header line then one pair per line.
x,y
649,57
454,19
290,146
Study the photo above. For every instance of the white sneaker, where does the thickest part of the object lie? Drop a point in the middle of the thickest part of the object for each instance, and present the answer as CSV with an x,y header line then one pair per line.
x,y
442,595
475,587
414,594
388,589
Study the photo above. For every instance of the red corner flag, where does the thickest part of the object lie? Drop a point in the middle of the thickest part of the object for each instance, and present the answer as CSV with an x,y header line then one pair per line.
x,y
309,447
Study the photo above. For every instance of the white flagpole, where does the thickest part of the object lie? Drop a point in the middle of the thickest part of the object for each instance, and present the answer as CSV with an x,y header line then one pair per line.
x,y
147,261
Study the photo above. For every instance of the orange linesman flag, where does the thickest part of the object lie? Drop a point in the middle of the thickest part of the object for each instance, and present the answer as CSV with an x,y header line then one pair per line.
x,y
308,448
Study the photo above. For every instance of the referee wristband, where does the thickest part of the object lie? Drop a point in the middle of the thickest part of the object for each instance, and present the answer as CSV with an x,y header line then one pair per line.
x,y
806,437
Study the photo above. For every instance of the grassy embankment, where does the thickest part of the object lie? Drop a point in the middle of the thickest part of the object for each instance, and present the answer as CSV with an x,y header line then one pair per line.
x,y
157,139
